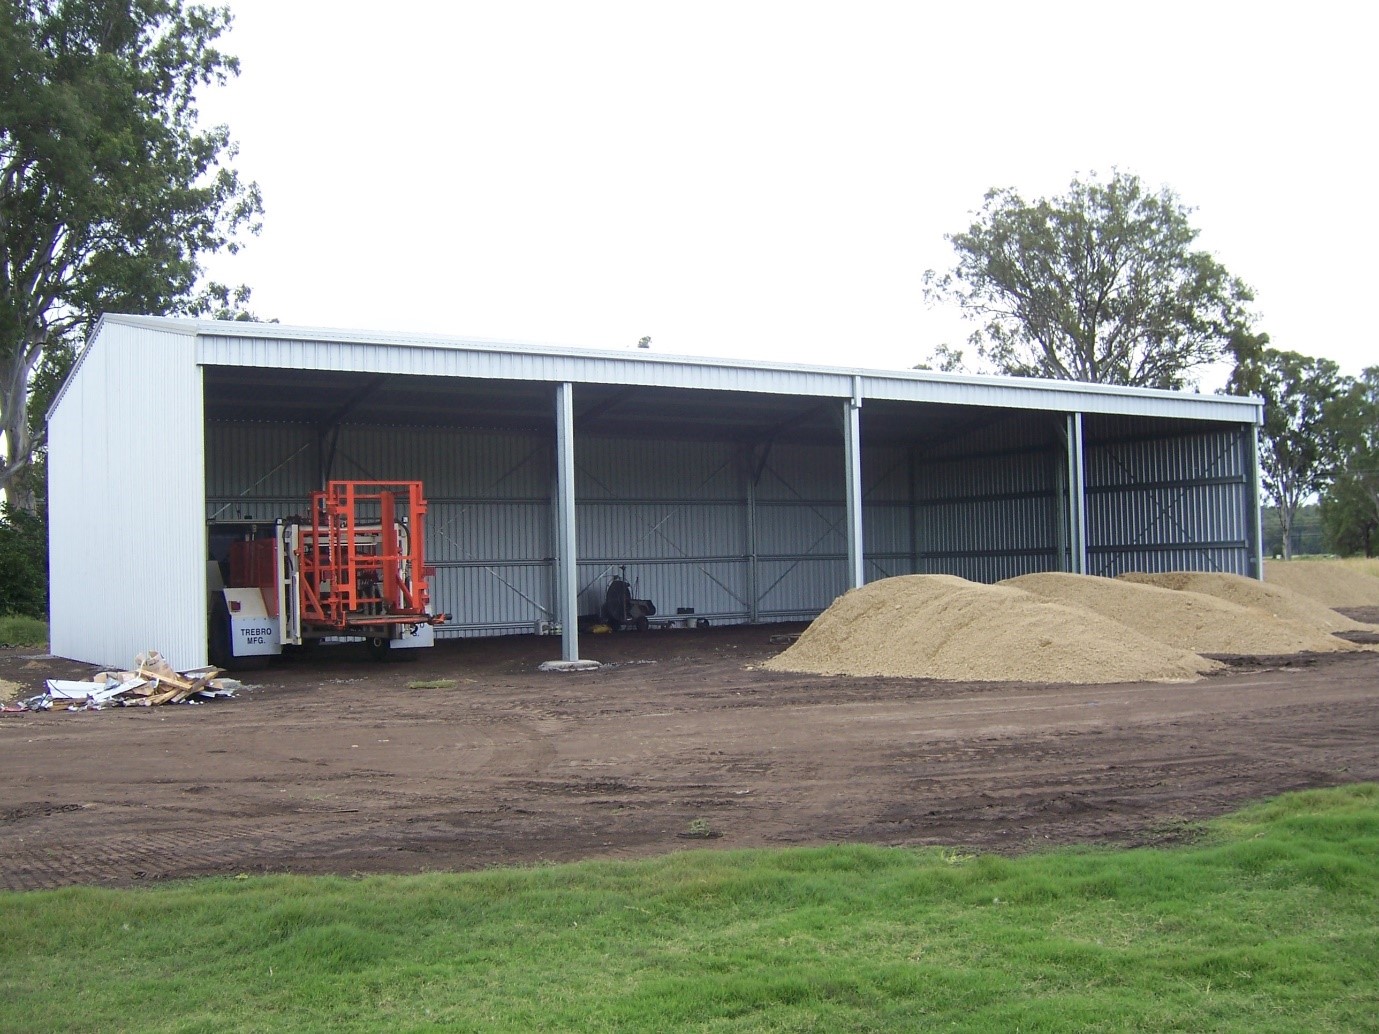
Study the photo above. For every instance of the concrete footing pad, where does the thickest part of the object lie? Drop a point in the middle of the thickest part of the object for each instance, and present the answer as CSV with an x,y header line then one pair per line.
x,y
584,665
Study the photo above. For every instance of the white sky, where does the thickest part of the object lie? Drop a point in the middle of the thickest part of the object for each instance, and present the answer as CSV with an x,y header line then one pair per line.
x,y
771,180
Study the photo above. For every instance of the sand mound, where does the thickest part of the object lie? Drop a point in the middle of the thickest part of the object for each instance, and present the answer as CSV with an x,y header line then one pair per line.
x,y
1191,620
1332,582
1247,592
942,627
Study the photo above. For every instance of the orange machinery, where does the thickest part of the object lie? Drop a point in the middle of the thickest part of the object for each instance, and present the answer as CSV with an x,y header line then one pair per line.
x,y
354,567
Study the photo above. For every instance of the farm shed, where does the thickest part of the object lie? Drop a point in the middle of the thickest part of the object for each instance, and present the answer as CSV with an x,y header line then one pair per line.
x,y
740,491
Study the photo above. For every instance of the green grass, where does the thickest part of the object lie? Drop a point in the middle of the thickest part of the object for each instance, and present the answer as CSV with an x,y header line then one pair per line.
x,y
1270,922
431,684
22,630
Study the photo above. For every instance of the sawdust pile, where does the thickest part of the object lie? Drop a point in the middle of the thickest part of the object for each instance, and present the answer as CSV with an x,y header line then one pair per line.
x,y
1191,620
1331,582
943,627
1248,592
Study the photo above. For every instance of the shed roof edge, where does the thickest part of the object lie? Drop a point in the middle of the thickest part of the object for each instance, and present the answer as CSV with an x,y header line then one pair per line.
x,y
1058,391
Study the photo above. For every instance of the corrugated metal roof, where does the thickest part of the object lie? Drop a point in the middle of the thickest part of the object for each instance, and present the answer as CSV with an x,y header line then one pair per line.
x,y
271,345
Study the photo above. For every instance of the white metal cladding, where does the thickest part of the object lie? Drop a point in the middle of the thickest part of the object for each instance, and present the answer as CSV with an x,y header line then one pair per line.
x,y
1170,504
490,526
801,522
259,471
990,517
521,363
887,511
488,531
673,513
127,546
262,345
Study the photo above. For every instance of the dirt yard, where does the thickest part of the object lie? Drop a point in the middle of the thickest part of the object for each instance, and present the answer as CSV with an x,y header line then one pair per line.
x,y
334,765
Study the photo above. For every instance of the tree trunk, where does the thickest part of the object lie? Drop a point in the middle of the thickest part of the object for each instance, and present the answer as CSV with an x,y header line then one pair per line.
x,y
1286,515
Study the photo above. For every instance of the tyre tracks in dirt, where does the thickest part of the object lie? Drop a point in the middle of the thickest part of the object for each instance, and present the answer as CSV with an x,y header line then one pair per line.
x,y
342,767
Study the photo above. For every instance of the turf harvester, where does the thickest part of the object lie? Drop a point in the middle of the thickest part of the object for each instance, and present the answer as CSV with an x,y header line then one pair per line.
x,y
355,567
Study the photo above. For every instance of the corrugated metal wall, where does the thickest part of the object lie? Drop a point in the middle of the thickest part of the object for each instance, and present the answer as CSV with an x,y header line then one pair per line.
x,y
989,518
125,528
489,494
1170,503
694,534
989,502
675,513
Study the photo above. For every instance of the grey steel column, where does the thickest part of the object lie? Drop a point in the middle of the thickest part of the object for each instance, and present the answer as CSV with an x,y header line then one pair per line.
x,y
852,448
753,583
567,585
912,475
1253,518
1077,497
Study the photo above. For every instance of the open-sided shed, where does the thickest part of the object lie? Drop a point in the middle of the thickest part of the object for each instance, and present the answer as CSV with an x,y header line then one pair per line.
x,y
737,490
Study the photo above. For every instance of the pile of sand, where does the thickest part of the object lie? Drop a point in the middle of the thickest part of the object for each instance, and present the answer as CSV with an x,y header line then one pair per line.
x,y
1331,582
942,627
1191,620
1248,592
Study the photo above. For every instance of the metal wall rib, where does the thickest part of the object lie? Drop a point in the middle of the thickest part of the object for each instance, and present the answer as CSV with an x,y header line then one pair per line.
x,y
1170,503
990,517
676,514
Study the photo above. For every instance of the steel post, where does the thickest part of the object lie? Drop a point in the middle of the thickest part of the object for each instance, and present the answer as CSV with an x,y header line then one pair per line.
x,y
1077,497
852,450
567,603
1253,521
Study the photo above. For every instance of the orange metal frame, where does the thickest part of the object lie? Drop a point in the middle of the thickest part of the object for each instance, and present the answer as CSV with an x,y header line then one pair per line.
x,y
360,566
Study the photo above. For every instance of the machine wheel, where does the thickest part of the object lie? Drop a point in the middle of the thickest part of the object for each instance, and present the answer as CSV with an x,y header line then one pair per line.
x,y
305,649
702,623
380,647
642,624
221,650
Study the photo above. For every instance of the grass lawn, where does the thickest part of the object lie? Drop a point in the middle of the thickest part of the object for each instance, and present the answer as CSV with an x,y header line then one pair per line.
x,y
1270,921
22,630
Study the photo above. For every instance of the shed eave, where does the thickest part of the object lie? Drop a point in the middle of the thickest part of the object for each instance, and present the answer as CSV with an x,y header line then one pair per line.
x,y
592,365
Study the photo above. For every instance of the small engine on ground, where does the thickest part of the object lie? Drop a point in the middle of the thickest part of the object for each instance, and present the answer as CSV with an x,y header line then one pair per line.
x,y
621,607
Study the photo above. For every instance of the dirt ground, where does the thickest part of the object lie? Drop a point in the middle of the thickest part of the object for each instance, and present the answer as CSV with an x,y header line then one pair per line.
x,y
334,765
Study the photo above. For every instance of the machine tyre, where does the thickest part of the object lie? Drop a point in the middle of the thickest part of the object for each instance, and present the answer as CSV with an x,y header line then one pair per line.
x,y
641,624
380,647
219,645
306,648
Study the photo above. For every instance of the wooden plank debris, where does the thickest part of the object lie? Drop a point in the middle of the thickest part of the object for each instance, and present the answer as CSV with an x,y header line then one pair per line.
x,y
152,682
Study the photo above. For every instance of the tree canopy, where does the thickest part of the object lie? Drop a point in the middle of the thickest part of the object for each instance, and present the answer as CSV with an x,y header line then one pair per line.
x,y
111,193
1301,440
1350,504
1102,284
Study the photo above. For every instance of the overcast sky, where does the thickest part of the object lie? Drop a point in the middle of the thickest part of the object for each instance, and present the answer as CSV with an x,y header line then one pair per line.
x,y
771,180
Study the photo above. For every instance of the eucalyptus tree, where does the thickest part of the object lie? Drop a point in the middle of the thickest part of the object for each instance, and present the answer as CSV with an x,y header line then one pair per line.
x,y
111,191
1102,284
1350,505
1301,441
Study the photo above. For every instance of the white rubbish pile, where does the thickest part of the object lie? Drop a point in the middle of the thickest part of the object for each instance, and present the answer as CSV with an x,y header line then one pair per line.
x,y
153,681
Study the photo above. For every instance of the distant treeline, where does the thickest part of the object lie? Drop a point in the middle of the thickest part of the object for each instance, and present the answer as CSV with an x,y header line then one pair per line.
x,y
1309,536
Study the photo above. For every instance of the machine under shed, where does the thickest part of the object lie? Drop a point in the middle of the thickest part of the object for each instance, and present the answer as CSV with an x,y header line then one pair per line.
x,y
730,491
